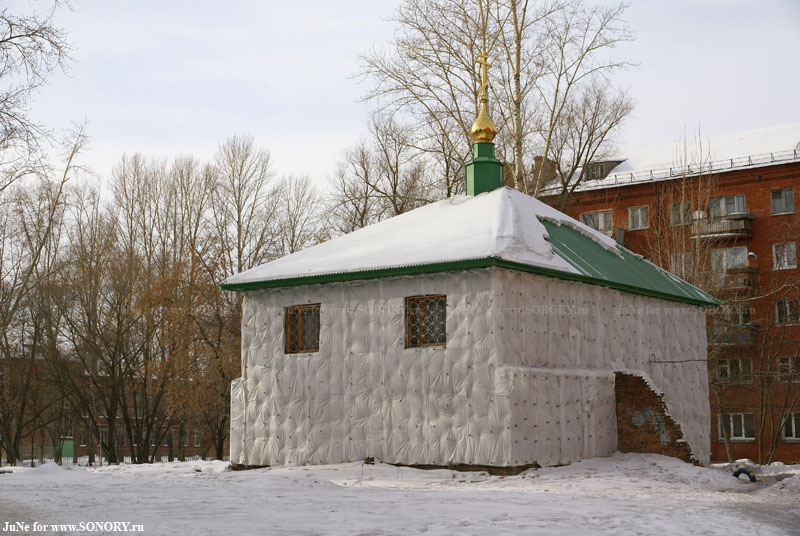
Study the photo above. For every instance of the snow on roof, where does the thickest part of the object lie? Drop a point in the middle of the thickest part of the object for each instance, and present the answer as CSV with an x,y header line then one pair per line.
x,y
722,147
503,223
761,146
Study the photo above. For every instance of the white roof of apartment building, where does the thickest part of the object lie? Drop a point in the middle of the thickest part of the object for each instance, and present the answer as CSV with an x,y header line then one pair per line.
x,y
689,156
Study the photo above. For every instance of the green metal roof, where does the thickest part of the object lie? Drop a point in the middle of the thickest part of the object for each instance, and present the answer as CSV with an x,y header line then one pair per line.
x,y
626,271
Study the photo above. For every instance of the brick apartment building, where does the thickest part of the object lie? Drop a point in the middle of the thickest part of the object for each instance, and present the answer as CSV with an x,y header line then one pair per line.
x,y
722,213
75,441
51,430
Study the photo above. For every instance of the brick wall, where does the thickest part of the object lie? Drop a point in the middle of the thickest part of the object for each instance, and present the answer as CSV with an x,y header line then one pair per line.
x,y
643,424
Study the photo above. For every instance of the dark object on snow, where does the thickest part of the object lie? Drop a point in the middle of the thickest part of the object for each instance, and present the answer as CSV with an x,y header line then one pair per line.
x,y
747,472
369,460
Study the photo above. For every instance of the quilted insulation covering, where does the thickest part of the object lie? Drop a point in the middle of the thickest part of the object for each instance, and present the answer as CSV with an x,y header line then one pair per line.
x,y
526,375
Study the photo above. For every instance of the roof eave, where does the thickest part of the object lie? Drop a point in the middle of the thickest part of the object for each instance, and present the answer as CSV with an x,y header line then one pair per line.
x,y
468,264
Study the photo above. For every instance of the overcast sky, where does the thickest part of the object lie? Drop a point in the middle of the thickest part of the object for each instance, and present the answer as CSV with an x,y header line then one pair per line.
x,y
177,77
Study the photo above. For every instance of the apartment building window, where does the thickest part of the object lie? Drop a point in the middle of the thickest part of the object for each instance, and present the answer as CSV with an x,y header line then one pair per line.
x,y
166,439
680,213
791,428
789,369
601,221
784,256
426,321
153,440
301,328
723,206
83,439
197,438
638,218
680,264
740,426
735,370
723,260
786,311
782,202
738,315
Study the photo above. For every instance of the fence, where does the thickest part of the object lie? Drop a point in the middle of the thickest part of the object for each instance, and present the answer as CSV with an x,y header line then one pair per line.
x,y
46,455
705,168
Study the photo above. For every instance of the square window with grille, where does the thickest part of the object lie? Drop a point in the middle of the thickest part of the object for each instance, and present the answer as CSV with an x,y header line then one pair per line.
x,y
426,319
301,329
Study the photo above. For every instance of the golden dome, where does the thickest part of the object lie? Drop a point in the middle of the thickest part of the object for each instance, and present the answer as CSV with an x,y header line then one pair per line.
x,y
483,129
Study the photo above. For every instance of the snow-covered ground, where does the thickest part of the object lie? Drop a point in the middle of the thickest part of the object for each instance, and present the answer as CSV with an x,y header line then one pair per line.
x,y
624,494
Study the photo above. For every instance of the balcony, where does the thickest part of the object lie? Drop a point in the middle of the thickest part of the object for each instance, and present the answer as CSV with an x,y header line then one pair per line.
x,y
731,226
743,277
735,334
740,282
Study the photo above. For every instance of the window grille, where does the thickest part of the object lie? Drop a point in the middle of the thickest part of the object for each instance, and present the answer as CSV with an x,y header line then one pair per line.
x,y
426,318
301,329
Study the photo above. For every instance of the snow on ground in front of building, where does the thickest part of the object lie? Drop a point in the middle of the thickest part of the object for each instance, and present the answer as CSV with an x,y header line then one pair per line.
x,y
622,494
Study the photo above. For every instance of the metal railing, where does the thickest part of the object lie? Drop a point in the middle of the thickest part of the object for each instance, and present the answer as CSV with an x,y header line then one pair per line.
x,y
731,225
728,164
99,460
734,335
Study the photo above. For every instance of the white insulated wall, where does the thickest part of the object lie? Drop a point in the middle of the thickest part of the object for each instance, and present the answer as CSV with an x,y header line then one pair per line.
x,y
518,382
559,344
365,394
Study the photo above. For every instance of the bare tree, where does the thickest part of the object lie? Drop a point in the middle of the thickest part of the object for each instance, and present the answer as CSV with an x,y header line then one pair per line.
x,y
429,70
241,210
399,179
353,204
31,48
581,136
298,214
545,54
575,38
31,225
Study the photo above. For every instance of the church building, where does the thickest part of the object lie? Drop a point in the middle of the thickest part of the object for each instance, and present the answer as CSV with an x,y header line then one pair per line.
x,y
487,329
